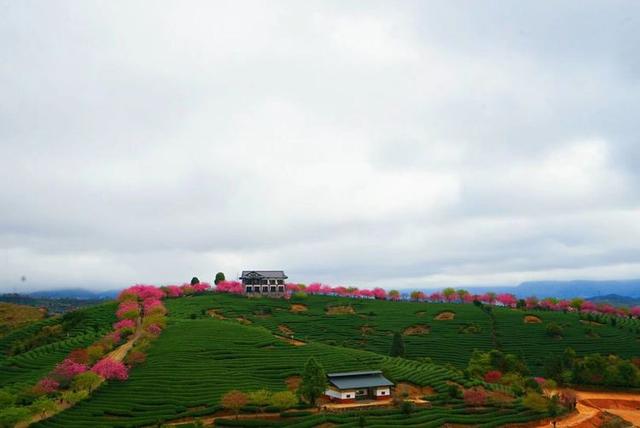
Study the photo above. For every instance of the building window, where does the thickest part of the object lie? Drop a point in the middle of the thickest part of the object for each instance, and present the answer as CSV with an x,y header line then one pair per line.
x,y
265,289
263,281
281,282
281,289
249,289
273,289
272,281
383,392
347,396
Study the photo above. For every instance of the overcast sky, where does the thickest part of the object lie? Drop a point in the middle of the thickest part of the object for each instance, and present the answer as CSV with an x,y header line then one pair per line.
x,y
394,144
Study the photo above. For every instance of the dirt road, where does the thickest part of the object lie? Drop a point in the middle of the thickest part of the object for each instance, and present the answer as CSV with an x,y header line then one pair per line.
x,y
592,404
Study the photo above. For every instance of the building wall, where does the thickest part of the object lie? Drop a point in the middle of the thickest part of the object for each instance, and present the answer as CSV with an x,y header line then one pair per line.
x,y
341,395
382,392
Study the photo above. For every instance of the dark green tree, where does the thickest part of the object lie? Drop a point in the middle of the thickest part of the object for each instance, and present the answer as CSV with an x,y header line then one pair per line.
x,y
314,381
219,278
195,280
397,345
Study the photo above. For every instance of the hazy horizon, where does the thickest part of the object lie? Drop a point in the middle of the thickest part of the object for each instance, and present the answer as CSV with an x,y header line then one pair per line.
x,y
402,145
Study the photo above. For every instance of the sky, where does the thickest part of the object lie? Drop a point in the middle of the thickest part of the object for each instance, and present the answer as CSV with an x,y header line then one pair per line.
x,y
393,144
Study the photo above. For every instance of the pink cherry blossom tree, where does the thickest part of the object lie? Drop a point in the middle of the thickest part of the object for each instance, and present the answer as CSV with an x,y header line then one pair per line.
x,y
109,368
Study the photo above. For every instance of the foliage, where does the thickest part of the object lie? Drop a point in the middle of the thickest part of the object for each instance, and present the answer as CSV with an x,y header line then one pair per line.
x,y
397,346
73,397
42,406
260,397
234,400
284,399
195,280
554,330
536,402
109,368
67,369
10,416
46,386
492,376
219,278
86,381
475,397
314,381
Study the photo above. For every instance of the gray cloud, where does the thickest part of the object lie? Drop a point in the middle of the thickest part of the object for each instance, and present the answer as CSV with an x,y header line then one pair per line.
x,y
397,145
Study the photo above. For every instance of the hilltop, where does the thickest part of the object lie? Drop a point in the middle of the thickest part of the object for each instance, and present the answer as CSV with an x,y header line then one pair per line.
x,y
213,343
13,317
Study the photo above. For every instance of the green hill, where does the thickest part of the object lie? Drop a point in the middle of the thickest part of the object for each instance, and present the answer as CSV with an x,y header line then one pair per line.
x,y
372,323
217,342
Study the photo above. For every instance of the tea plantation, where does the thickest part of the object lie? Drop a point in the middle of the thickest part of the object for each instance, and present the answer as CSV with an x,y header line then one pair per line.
x,y
215,343
372,323
24,360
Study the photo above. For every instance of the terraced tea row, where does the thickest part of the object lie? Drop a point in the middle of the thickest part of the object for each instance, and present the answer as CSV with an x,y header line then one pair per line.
x,y
369,324
194,362
27,367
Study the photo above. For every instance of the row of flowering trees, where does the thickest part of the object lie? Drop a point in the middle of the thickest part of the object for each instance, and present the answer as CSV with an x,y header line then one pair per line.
x,y
448,295
140,312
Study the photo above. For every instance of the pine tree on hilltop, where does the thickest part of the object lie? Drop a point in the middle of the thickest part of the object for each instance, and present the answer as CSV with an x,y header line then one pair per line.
x,y
314,381
397,345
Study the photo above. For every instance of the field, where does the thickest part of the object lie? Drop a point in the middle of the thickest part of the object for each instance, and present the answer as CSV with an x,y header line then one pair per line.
x,y
371,324
14,316
27,367
217,342
195,361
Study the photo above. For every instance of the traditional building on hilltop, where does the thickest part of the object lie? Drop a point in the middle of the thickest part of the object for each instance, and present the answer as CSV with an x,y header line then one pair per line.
x,y
350,386
263,282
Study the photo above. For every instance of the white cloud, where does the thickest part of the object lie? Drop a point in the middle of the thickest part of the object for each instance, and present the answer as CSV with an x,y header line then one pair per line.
x,y
401,144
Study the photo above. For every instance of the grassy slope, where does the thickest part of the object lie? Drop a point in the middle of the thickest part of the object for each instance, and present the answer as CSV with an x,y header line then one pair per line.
x,y
445,343
28,367
194,362
199,358
13,316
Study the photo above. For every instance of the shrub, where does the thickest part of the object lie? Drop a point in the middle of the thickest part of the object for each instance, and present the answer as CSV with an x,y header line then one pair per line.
x,y
95,352
135,357
284,399
407,407
535,402
260,397
42,406
234,400
86,381
11,416
7,399
475,397
554,330
492,376
80,356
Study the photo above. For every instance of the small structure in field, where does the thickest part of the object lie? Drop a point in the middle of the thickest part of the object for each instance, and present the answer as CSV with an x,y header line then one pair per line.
x,y
268,283
351,386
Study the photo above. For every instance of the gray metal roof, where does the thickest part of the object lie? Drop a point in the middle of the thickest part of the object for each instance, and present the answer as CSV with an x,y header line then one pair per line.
x,y
275,274
350,380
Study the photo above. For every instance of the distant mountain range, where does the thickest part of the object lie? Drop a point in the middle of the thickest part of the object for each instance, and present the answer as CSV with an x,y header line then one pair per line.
x,y
616,300
615,290
57,304
74,293
565,289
